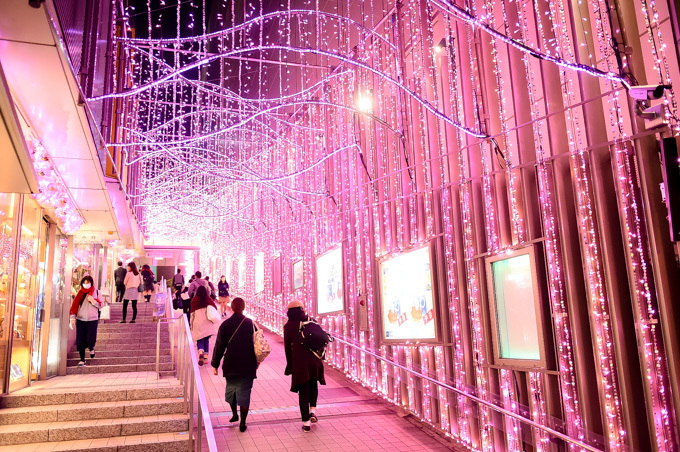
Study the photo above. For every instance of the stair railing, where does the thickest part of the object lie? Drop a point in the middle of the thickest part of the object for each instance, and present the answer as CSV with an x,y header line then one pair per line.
x,y
185,358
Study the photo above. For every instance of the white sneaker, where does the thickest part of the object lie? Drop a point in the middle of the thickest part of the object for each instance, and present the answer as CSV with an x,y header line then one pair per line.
x,y
81,363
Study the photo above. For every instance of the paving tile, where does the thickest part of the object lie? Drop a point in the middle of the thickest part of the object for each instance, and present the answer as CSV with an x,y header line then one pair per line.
x,y
350,416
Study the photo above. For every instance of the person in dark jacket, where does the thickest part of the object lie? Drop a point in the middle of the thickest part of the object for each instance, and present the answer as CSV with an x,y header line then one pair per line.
x,y
211,288
306,369
235,336
223,294
148,279
120,281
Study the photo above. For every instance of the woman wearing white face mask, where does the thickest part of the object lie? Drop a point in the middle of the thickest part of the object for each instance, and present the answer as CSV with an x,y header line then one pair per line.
x,y
85,316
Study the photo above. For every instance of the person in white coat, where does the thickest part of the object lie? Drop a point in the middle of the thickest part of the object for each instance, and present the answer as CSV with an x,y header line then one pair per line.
x,y
202,328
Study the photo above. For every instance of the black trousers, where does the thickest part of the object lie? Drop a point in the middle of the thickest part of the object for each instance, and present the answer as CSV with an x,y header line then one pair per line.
x,y
308,394
134,309
120,291
86,336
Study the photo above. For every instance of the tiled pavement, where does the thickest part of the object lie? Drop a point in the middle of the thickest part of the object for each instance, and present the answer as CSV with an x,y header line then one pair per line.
x,y
350,417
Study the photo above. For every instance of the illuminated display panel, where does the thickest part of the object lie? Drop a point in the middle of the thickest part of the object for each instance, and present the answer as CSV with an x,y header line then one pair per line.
x,y
329,282
259,272
407,300
276,275
515,309
298,274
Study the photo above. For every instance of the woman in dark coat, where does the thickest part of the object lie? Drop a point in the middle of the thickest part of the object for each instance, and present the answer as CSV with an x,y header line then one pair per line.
x,y
148,282
306,369
235,336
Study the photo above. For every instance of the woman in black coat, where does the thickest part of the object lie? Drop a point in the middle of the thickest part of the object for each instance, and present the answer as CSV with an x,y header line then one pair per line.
x,y
306,369
235,336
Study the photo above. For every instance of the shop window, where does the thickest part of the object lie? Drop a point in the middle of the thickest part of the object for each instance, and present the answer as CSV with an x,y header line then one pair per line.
x,y
8,228
27,291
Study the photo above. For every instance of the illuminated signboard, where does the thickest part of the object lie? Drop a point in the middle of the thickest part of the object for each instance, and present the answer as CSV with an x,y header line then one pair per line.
x,y
407,301
298,274
259,273
329,282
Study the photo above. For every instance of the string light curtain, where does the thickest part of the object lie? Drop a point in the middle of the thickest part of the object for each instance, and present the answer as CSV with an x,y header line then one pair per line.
x,y
478,127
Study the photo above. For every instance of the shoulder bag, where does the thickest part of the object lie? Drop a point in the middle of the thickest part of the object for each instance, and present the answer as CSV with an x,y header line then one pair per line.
x,y
262,347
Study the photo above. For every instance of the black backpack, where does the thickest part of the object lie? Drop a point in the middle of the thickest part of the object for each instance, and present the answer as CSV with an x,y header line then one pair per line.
x,y
314,338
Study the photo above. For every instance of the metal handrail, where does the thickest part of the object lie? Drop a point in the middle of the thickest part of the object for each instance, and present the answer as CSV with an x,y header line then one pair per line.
x,y
486,403
188,373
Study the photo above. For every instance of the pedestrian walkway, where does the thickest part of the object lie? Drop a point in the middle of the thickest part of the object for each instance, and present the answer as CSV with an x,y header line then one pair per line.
x,y
350,416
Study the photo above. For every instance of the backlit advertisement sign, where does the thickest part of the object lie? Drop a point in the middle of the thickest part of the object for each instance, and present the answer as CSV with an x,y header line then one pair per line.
x,y
407,300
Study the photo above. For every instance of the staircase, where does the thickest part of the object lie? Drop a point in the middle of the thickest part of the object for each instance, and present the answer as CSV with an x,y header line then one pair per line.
x,y
126,347
113,404
106,418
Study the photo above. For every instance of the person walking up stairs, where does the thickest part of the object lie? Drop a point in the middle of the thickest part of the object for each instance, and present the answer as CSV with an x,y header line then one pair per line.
x,y
125,347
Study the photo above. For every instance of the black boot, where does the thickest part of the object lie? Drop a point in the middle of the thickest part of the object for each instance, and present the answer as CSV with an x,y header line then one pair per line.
x,y
244,414
234,411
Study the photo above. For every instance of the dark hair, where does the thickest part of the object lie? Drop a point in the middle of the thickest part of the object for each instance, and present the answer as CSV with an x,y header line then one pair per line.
x,y
120,263
179,270
146,267
198,274
202,294
225,278
133,268
238,305
207,278
296,314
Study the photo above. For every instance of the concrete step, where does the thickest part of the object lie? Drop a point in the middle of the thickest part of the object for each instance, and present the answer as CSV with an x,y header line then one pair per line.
x,y
93,410
122,345
114,368
99,360
130,335
137,327
166,442
164,351
91,428
136,343
88,394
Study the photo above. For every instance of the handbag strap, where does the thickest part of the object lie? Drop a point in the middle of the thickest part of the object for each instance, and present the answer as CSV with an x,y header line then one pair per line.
x,y
239,326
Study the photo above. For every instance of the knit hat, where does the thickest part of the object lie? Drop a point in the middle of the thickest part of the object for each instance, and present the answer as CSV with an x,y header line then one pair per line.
x,y
295,304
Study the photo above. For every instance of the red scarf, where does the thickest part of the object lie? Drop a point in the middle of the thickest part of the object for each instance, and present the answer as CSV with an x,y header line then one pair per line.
x,y
197,303
78,300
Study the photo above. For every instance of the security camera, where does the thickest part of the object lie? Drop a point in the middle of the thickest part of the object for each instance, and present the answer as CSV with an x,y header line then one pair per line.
x,y
647,92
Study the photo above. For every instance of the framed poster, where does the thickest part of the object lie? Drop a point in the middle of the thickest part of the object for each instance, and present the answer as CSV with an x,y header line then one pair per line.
x,y
515,308
259,272
277,286
242,271
408,308
329,282
298,274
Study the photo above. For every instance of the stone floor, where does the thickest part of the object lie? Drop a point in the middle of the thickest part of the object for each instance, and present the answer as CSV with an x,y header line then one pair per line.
x,y
350,417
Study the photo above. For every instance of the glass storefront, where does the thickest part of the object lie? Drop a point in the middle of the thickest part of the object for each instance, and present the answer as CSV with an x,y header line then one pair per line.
x,y
31,255
34,288
8,208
